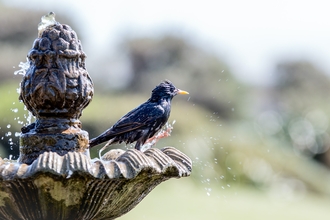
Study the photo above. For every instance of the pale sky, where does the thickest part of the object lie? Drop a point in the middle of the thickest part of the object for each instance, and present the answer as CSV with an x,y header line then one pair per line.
x,y
249,35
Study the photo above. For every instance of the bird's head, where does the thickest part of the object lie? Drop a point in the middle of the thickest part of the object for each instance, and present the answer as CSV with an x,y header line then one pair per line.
x,y
165,90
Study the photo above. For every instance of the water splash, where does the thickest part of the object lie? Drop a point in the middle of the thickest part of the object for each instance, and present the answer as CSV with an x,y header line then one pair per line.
x,y
17,134
7,134
46,20
163,133
29,118
24,67
208,191
9,131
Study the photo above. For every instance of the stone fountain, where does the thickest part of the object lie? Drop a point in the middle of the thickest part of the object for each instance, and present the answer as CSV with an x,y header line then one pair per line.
x,y
54,177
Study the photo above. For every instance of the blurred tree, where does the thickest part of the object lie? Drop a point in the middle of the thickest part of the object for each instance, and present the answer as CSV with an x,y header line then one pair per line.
x,y
17,34
203,74
18,30
299,95
300,85
16,26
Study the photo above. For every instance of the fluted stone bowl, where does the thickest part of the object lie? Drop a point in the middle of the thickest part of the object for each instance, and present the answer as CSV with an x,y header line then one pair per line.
x,y
74,187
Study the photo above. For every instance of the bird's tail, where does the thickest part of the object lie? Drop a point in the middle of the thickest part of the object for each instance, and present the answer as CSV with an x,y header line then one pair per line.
x,y
105,136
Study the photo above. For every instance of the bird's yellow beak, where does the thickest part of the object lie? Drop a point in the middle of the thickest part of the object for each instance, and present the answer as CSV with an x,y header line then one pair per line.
x,y
181,92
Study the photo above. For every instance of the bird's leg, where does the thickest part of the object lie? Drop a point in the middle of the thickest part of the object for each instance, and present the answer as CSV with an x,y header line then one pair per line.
x,y
162,134
104,147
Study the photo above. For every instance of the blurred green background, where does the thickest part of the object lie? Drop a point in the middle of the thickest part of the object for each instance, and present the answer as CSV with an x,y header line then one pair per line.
x,y
260,148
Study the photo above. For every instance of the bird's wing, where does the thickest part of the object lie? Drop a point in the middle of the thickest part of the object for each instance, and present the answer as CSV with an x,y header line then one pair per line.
x,y
143,115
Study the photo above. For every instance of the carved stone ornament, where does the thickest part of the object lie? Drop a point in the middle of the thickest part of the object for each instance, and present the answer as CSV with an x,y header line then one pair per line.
x,y
74,187
55,89
54,177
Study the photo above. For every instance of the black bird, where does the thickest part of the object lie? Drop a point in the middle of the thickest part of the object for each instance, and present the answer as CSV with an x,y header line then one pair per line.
x,y
143,122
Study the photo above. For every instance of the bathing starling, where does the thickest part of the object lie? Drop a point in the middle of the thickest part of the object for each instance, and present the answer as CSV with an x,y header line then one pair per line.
x,y
143,122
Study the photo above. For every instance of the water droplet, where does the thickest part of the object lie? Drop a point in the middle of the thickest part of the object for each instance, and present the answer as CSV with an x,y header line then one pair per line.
x,y
9,125
15,110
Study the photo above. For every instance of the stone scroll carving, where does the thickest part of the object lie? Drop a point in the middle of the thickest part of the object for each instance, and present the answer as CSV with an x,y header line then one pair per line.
x,y
74,187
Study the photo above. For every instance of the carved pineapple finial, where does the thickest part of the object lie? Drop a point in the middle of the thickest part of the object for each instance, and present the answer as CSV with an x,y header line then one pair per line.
x,y
55,89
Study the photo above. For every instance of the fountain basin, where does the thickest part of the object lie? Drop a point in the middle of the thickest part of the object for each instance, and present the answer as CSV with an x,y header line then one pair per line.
x,y
74,187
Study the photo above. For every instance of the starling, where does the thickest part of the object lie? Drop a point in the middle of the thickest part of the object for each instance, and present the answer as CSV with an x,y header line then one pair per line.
x,y
143,122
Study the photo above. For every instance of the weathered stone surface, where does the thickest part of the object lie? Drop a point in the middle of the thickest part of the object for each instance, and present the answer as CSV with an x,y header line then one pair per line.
x,y
56,88
57,83
74,187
